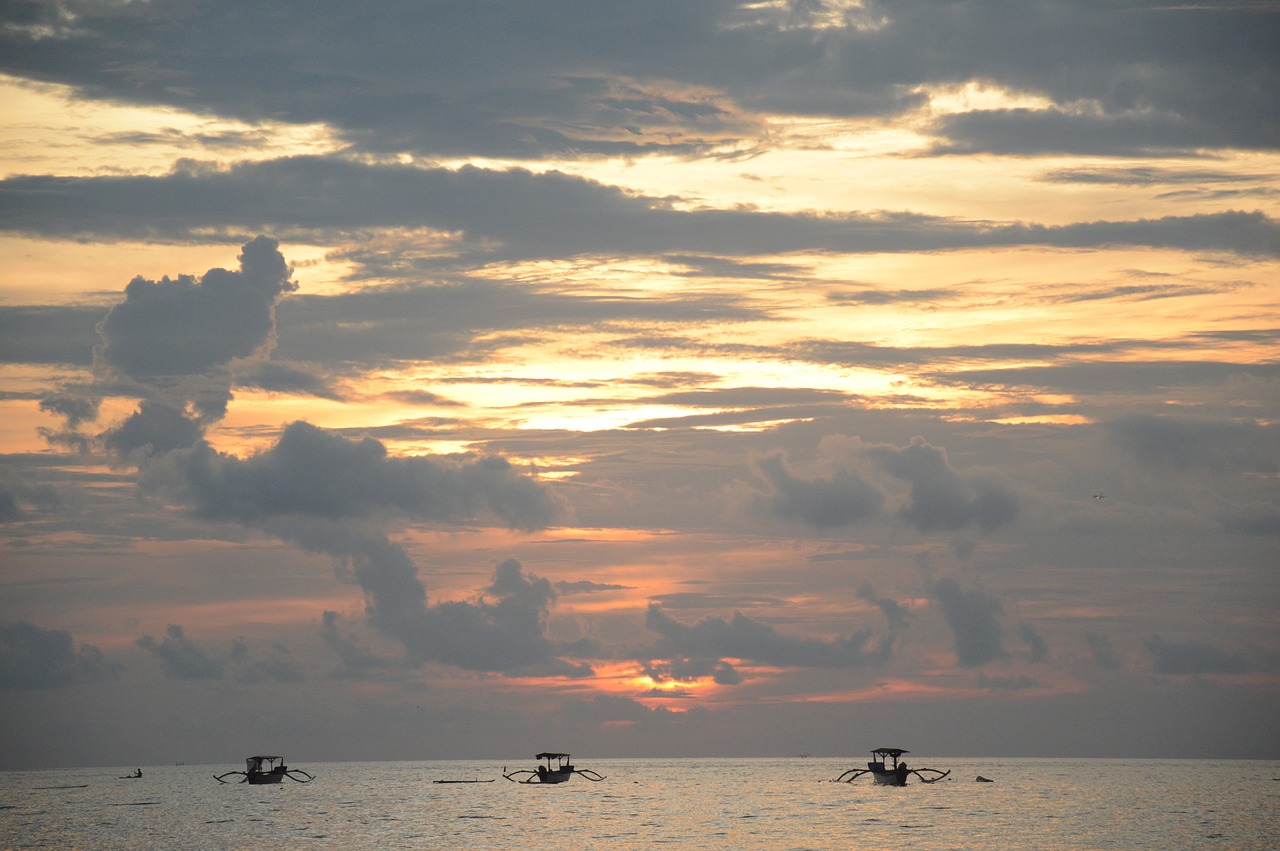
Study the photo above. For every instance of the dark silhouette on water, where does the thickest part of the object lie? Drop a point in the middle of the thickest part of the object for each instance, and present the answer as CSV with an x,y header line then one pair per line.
x,y
559,773
886,770
266,769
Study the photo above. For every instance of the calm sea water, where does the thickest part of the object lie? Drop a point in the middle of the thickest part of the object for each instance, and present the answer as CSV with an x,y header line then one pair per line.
x,y
689,803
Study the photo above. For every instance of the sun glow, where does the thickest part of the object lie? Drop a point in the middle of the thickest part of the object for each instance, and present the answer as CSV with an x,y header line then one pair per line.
x,y
62,134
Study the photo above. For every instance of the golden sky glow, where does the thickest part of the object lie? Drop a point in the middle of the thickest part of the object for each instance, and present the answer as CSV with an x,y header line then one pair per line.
x,y
828,353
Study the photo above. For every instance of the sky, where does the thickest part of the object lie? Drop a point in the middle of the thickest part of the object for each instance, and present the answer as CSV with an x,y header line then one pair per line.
x,y
464,380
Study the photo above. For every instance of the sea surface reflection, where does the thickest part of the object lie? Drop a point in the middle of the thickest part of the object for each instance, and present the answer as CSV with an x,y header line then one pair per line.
x,y
685,803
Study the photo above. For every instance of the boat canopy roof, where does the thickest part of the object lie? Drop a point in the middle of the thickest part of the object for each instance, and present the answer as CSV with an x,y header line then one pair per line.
x,y
266,757
890,751
550,755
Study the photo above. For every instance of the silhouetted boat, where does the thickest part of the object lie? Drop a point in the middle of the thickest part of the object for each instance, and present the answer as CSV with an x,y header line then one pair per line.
x,y
266,769
557,769
886,769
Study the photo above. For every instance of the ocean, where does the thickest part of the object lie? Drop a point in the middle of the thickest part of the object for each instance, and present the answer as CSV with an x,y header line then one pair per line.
x,y
682,803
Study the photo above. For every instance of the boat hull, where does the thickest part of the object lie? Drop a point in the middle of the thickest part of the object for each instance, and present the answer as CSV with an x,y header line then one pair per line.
x,y
265,778
888,779
888,776
552,776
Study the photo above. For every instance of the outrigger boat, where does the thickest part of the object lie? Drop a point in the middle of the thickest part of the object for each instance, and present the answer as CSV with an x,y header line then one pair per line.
x,y
266,769
557,769
886,770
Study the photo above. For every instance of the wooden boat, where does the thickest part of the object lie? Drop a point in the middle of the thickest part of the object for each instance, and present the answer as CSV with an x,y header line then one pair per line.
x,y
887,769
261,770
556,768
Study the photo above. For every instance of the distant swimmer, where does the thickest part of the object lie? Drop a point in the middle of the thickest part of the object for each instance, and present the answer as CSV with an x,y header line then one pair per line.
x,y
982,779
1099,496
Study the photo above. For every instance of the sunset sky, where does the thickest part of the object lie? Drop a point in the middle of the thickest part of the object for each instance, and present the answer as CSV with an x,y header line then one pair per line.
x,y
468,379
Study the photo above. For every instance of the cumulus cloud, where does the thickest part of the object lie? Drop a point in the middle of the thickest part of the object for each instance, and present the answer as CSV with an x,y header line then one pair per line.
x,y
502,629
175,344
740,637
895,614
688,670
941,498
186,326
21,498
1037,647
312,472
331,494
33,657
184,659
839,499
154,428
974,618
355,660
181,657
277,667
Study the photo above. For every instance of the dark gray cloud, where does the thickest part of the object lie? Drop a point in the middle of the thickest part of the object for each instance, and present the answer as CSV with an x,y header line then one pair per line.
x,y
740,637
687,670
504,629
33,657
1224,447
22,495
61,334
516,213
443,322
9,508
705,600
329,494
625,78
584,586
174,343
1013,683
895,614
153,428
1104,655
941,498
840,499
1118,377
1192,657
276,667
1037,647
316,473
974,618
186,326
1255,519
355,660
1148,176
181,657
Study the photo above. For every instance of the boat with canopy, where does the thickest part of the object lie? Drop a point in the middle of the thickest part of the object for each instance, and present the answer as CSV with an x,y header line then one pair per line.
x,y
555,768
260,770
887,768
